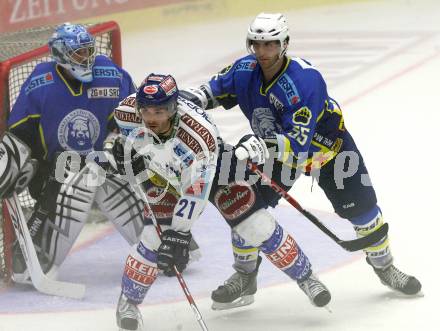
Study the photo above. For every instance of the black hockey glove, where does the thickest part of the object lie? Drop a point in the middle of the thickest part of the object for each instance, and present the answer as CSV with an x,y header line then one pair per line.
x,y
136,161
174,251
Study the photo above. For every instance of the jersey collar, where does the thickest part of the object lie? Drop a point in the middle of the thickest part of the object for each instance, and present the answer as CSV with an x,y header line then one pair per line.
x,y
263,91
71,89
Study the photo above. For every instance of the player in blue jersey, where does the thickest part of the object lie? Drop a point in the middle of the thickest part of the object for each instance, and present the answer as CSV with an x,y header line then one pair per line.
x,y
67,105
286,102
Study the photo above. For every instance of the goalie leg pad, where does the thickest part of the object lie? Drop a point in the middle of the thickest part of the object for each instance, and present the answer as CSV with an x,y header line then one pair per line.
x,y
120,205
379,254
61,212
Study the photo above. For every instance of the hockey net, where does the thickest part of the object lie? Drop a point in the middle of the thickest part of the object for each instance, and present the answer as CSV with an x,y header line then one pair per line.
x,y
20,52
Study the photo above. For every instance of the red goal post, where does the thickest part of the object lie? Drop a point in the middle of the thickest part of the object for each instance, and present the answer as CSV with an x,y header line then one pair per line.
x,y
20,52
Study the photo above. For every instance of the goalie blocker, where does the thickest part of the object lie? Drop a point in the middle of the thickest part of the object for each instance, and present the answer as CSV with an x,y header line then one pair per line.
x,y
16,166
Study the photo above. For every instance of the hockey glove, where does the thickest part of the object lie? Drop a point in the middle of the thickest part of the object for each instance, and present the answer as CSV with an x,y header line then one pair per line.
x,y
174,251
252,147
16,167
201,96
136,161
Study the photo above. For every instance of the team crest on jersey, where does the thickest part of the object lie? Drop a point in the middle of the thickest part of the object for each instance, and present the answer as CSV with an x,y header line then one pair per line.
x,y
103,92
289,89
164,202
302,116
236,200
276,102
248,65
79,131
39,81
106,72
263,123
222,72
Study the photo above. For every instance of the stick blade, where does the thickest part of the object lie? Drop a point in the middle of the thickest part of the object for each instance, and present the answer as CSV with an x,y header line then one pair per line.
x,y
40,281
61,289
364,242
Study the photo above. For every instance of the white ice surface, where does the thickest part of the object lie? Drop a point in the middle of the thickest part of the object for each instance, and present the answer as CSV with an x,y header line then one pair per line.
x,y
389,92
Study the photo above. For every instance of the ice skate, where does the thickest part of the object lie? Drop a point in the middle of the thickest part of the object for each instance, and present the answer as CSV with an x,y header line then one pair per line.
x,y
128,316
237,291
316,291
397,280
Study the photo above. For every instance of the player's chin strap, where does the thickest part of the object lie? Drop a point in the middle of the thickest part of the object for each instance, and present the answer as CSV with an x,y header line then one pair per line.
x,y
138,189
40,281
349,245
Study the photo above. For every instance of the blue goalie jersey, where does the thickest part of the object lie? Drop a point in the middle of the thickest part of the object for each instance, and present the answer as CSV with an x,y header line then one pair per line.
x,y
294,108
51,115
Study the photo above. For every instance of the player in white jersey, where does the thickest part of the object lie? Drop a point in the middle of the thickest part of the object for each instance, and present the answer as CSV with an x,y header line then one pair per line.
x,y
171,155
238,199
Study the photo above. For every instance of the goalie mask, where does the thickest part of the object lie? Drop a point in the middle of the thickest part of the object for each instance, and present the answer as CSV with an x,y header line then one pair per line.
x,y
73,48
268,27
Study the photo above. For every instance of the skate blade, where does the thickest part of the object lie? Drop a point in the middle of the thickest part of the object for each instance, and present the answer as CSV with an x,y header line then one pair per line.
x,y
400,294
239,302
139,328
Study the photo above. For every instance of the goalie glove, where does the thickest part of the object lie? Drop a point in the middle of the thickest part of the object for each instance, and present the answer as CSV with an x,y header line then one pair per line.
x,y
252,147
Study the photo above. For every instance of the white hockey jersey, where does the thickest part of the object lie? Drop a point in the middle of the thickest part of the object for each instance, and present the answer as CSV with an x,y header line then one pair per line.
x,y
186,160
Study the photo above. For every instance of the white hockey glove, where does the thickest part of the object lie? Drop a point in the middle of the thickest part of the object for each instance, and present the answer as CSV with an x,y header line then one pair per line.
x,y
16,166
252,147
201,96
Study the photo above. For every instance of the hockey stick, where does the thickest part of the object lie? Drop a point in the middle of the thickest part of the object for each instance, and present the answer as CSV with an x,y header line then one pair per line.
x,y
141,194
40,281
349,245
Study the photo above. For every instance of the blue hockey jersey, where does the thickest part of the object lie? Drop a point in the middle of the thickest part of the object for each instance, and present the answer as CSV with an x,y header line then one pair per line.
x,y
294,108
51,115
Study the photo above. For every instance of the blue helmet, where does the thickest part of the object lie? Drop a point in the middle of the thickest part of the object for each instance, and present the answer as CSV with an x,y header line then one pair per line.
x,y
158,90
73,48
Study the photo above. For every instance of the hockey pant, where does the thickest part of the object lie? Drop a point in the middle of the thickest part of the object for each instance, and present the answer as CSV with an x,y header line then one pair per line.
x,y
346,183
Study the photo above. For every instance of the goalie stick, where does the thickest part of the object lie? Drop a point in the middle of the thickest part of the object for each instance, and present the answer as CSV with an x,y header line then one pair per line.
x,y
349,245
40,281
